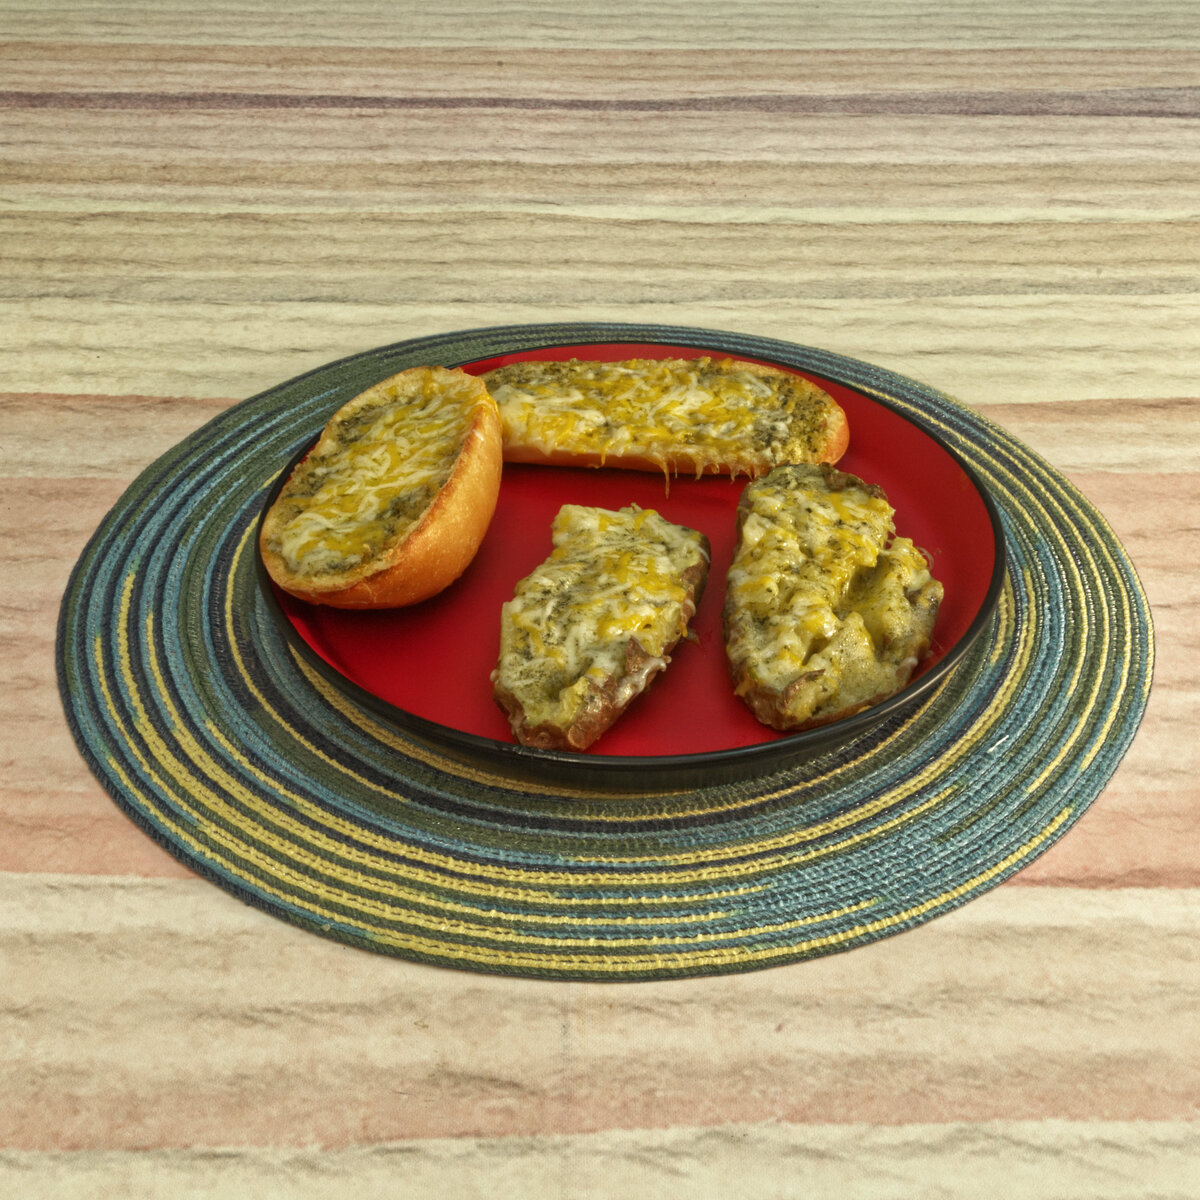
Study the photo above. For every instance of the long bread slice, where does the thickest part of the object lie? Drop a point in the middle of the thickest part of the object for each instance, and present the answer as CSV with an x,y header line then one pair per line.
x,y
589,628
678,416
826,611
392,502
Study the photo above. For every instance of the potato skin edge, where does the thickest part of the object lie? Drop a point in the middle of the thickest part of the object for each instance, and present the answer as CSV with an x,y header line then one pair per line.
x,y
769,705
601,710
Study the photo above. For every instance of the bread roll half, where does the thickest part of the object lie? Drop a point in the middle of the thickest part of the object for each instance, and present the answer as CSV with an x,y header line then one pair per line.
x,y
394,499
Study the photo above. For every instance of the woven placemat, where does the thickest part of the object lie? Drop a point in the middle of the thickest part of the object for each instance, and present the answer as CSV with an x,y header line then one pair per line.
x,y
218,740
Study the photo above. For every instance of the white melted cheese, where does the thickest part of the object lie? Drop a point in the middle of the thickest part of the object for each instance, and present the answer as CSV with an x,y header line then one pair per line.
x,y
613,577
372,482
692,410
823,604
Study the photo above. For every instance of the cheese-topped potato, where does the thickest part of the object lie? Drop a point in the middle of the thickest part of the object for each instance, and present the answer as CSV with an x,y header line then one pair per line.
x,y
589,628
826,611
696,415
392,502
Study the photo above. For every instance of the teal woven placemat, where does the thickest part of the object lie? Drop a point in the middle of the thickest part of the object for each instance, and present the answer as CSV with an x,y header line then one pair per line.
x,y
225,747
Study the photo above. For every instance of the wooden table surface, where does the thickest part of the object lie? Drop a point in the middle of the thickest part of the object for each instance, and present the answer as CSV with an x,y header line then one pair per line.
x,y
1000,201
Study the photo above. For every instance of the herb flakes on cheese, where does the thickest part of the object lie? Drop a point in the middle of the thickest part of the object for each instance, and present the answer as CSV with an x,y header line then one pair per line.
x,y
704,413
826,610
586,631
375,472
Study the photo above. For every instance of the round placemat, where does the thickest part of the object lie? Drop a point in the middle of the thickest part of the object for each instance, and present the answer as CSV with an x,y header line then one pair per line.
x,y
226,747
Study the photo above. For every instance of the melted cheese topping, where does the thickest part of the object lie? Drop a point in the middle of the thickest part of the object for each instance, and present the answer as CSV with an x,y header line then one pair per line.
x,y
823,605
382,460
712,413
613,577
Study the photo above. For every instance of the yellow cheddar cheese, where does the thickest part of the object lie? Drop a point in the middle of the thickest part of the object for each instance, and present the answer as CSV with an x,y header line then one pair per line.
x,y
392,501
697,415
585,632
826,610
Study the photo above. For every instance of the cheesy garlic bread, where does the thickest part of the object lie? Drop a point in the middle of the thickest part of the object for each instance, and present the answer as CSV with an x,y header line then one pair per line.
x,y
696,416
392,502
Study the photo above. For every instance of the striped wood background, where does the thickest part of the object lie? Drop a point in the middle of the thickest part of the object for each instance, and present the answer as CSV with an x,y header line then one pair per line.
x,y
197,204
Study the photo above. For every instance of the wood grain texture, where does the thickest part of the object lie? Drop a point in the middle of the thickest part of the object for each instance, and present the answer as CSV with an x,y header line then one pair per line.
x,y
146,257
569,136
1099,1160
1095,346
1109,24
60,73
277,1022
200,203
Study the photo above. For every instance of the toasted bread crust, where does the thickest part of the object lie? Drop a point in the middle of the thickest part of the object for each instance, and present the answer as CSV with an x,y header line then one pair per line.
x,y
878,620
432,551
792,421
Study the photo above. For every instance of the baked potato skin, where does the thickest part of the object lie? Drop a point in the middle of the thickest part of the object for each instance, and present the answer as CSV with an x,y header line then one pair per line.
x,y
878,630
594,702
603,704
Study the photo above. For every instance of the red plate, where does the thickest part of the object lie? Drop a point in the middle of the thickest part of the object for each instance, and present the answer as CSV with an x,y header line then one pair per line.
x,y
432,661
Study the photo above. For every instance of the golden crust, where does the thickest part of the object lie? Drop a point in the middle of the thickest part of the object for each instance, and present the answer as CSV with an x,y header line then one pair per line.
x,y
825,436
433,551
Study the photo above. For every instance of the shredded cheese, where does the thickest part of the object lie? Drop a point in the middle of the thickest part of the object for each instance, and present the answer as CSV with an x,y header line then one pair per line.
x,y
375,472
825,608
705,412
612,578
